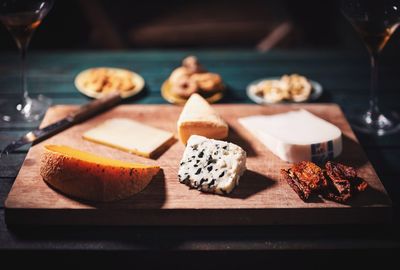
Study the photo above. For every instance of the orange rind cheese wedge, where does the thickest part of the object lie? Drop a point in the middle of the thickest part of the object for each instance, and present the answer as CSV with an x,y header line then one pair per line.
x,y
87,176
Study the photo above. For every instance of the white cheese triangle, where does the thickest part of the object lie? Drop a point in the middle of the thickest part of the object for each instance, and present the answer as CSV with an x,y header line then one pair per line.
x,y
199,118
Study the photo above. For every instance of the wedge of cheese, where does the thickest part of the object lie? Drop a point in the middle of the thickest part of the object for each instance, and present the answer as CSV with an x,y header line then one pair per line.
x,y
296,136
211,165
131,136
199,118
87,176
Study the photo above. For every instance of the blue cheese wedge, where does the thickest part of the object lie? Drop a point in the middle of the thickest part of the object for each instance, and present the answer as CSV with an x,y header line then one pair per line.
x,y
211,165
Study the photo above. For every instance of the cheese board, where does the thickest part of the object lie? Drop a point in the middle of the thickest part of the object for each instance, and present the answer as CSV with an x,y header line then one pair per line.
x,y
262,197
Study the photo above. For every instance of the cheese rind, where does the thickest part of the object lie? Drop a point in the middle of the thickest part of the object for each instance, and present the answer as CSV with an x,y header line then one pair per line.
x,y
212,165
199,118
87,176
130,136
296,136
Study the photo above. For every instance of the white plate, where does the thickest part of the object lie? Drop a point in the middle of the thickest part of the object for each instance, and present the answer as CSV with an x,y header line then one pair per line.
x,y
316,92
136,79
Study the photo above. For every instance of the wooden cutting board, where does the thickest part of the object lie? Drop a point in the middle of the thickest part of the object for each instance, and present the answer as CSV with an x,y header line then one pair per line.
x,y
261,197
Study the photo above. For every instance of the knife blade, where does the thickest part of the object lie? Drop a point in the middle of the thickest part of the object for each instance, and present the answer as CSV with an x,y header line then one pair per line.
x,y
83,113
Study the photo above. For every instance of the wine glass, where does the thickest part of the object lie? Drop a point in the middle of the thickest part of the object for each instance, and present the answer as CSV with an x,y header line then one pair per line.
x,y
21,18
375,21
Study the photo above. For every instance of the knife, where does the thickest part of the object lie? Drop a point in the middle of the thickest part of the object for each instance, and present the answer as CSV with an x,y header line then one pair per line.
x,y
80,115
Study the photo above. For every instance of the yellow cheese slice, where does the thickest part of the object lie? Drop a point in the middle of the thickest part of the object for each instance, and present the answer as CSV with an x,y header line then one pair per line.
x,y
131,136
199,118
87,176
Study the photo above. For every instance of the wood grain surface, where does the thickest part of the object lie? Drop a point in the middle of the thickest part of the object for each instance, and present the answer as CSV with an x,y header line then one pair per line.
x,y
261,197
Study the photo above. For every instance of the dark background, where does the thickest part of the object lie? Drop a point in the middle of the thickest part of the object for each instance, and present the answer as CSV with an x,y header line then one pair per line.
x,y
175,24
263,25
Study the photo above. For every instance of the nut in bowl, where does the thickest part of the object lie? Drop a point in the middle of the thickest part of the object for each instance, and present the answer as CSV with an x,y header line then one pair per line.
x,y
288,88
192,78
97,82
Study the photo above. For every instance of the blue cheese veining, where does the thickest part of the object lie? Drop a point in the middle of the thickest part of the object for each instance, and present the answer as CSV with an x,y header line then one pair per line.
x,y
212,165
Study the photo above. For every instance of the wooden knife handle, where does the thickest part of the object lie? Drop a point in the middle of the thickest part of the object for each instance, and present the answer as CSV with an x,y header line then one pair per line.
x,y
94,107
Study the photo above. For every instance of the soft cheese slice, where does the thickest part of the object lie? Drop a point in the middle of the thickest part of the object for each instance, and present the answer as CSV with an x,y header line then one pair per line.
x,y
130,136
87,176
296,136
199,118
211,165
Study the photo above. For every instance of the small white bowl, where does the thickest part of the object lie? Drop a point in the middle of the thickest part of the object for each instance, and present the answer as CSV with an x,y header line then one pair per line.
x,y
137,80
316,92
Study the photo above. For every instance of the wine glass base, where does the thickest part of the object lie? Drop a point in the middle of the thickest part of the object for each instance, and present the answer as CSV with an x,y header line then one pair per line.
x,y
380,125
33,109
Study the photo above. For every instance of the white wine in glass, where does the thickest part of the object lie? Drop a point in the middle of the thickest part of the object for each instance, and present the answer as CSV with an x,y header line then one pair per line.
x,y
375,21
22,18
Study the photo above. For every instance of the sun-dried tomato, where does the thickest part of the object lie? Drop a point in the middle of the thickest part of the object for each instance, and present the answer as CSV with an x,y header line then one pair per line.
x,y
310,174
344,181
337,182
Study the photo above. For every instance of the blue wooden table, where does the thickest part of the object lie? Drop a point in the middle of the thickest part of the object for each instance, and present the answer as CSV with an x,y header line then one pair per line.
x,y
345,79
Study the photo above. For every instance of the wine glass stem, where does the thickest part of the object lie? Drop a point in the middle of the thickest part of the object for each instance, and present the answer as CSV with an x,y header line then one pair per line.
x,y
373,101
23,50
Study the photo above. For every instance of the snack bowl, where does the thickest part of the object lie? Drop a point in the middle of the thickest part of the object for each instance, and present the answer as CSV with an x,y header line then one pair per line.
x,y
135,78
316,92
